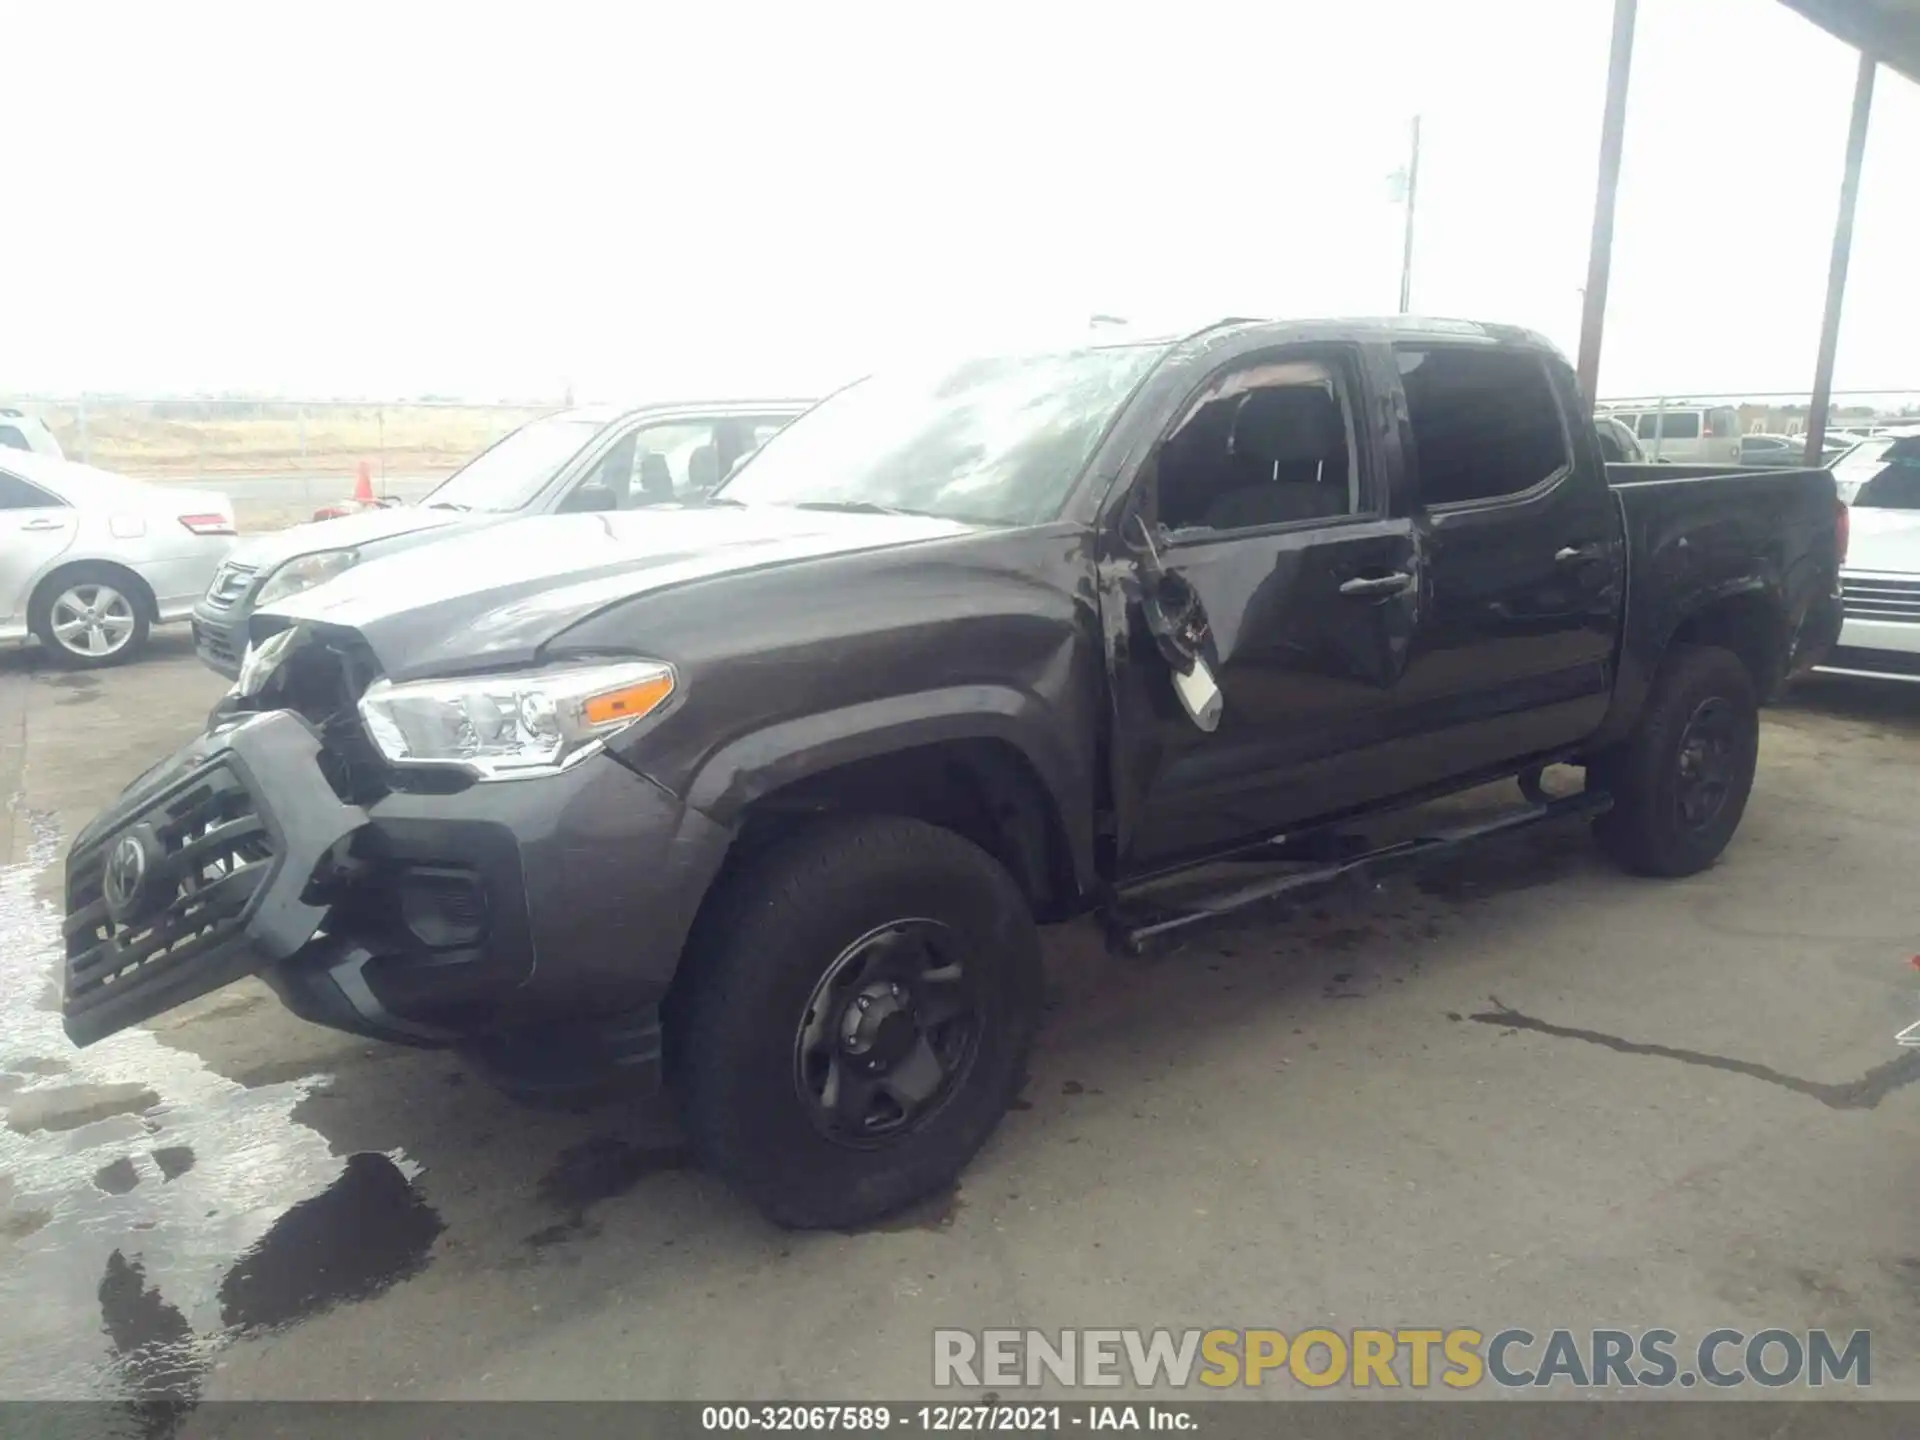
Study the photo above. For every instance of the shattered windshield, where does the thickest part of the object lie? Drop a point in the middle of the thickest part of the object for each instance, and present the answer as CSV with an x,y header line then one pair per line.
x,y
994,441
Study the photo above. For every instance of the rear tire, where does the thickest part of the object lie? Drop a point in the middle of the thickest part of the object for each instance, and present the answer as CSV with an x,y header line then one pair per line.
x,y
808,1009
1680,782
89,616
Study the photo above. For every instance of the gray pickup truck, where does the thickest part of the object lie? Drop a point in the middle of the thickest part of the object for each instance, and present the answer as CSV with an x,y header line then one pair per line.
x,y
770,793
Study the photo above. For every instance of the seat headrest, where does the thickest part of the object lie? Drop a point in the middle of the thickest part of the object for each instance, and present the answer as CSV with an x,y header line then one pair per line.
x,y
1290,423
703,467
655,478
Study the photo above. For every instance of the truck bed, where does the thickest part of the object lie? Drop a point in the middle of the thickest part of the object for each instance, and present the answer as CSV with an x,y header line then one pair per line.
x,y
1706,536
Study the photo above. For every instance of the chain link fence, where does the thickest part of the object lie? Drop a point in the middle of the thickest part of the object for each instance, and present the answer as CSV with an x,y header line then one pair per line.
x,y
279,460
1852,413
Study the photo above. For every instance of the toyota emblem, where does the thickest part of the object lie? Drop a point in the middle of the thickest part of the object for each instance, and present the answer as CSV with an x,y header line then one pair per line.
x,y
126,875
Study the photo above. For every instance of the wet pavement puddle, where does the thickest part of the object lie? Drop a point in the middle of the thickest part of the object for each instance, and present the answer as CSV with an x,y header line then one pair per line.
x,y
152,1210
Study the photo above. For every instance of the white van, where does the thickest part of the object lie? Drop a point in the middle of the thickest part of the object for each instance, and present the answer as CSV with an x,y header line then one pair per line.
x,y
1685,434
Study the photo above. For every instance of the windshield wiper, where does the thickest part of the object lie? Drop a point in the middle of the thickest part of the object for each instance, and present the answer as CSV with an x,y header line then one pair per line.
x,y
854,507
446,505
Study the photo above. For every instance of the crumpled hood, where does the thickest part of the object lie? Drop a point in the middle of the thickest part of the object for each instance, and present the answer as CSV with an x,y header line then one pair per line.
x,y
1883,540
494,597
276,547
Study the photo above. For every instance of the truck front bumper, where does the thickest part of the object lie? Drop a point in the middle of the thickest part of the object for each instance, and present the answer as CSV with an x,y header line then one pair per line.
x,y
428,917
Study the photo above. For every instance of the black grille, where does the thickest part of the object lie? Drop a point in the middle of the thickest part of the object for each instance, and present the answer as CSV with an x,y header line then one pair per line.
x,y
210,851
1881,597
216,642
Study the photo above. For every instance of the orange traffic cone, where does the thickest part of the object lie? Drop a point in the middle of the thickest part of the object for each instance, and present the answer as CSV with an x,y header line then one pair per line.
x,y
363,487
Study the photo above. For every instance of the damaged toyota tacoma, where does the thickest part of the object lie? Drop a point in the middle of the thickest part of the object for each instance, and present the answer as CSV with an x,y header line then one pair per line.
x,y
767,795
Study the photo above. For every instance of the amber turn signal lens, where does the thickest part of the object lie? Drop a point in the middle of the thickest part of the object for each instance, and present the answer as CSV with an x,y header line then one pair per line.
x,y
628,702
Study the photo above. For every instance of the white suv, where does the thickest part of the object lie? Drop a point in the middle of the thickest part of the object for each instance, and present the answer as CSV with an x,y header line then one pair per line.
x,y
1685,434
1880,579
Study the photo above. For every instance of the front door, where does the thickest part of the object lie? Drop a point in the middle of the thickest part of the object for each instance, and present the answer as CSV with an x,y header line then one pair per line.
x,y
1264,520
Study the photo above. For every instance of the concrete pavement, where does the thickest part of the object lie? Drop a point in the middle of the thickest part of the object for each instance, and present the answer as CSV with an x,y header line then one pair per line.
x,y
1519,1089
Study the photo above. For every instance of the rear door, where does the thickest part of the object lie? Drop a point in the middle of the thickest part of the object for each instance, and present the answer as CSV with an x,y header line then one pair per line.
x,y
1721,424
1524,560
36,528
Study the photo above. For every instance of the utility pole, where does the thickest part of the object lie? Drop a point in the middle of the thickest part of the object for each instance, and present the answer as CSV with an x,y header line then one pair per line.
x,y
1412,180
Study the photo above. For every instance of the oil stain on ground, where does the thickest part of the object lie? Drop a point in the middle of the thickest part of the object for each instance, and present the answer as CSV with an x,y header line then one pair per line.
x,y
596,1170
133,1161
364,1233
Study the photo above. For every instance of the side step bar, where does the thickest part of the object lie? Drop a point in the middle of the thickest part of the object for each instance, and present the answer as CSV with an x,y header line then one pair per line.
x,y
1133,923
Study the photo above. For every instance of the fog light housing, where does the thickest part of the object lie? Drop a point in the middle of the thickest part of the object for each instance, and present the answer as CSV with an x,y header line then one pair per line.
x,y
443,909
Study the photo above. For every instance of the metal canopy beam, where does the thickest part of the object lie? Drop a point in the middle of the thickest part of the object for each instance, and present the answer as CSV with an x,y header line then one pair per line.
x,y
1884,31
1837,266
1888,30
1613,128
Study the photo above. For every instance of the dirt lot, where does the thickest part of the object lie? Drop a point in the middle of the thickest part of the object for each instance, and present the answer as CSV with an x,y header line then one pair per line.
x,y
1518,1090
175,439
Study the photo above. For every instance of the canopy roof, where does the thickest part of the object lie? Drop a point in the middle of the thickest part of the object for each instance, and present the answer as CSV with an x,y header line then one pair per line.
x,y
1888,30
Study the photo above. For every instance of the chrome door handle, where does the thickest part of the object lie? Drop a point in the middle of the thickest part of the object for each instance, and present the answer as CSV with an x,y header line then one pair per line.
x,y
1378,584
43,525
1568,554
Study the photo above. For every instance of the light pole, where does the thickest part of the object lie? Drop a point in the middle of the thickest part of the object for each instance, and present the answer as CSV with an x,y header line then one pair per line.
x,y
1407,181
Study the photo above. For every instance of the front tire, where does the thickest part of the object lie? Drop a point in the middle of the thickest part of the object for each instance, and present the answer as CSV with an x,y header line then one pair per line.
x,y
90,616
1680,782
853,1017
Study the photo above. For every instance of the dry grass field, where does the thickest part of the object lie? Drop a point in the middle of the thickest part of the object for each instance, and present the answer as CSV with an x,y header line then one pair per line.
x,y
178,438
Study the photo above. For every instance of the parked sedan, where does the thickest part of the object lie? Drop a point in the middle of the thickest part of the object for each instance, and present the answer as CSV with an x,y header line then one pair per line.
x,y
598,458
89,560
1787,452
1773,452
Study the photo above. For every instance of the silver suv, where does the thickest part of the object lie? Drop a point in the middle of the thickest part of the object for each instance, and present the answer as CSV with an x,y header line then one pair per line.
x,y
596,458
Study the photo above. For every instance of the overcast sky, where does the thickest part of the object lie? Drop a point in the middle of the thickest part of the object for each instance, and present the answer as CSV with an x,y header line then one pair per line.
x,y
647,199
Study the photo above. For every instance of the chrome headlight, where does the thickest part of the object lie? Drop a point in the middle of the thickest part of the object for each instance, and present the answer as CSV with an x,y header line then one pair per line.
x,y
303,572
502,726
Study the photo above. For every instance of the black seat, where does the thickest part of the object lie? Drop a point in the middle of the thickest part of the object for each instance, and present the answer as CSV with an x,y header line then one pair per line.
x,y
703,469
656,480
1288,458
